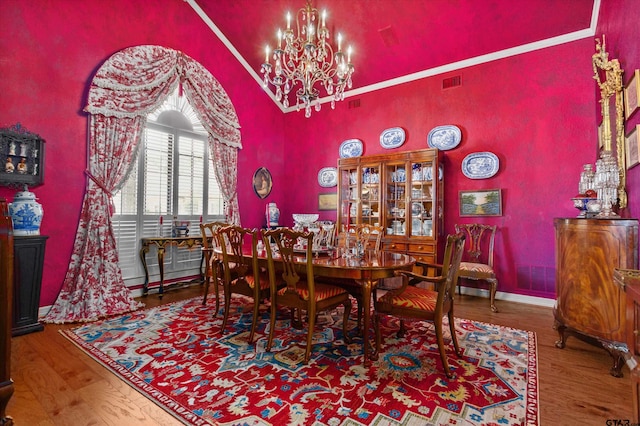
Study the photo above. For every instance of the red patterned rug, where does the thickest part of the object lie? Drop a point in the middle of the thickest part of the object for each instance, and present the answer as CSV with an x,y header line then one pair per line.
x,y
174,355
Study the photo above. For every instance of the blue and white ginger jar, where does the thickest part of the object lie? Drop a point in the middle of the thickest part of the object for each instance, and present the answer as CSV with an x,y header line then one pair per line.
x,y
26,214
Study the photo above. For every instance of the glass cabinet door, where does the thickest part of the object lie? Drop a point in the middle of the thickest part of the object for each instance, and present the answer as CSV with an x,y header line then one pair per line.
x,y
370,195
396,191
421,200
349,196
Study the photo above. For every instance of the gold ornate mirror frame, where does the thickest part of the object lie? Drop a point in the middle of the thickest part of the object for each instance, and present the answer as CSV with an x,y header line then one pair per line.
x,y
608,75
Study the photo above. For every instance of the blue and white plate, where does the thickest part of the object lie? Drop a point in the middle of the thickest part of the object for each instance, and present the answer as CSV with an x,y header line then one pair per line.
x,y
480,165
328,177
392,138
351,148
444,137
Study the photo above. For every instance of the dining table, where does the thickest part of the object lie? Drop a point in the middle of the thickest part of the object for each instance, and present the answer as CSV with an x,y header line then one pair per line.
x,y
366,271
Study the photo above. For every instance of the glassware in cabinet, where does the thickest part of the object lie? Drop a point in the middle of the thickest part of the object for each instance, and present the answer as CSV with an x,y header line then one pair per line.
x,y
370,195
396,196
421,198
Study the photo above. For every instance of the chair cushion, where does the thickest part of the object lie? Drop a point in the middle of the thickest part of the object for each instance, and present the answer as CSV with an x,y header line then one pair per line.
x,y
476,267
264,282
323,291
412,298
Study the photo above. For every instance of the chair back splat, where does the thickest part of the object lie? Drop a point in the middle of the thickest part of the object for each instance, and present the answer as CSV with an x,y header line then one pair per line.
x,y
242,274
212,264
290,265
414,301
477,263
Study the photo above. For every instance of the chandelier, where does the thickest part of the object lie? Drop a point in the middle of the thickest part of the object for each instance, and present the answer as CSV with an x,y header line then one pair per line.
x,y
304,58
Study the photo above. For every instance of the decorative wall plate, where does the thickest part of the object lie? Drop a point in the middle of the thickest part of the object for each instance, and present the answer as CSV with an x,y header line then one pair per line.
x,y
444,137
480,165
328,177
392,138
351,148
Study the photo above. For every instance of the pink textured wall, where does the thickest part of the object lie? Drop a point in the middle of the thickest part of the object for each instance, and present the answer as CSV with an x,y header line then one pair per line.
x,y
49,52
535,111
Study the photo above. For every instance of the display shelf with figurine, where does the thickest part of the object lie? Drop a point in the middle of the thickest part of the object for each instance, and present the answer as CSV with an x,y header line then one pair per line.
x,y
23,154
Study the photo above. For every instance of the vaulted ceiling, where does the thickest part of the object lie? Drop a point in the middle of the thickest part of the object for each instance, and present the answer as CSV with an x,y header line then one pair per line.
x,y
400,40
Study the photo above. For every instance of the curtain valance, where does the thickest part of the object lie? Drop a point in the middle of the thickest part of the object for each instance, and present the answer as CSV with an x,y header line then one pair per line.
x,y
134,81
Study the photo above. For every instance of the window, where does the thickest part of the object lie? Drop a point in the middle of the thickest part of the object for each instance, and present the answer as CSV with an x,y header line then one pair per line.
x,y
172,178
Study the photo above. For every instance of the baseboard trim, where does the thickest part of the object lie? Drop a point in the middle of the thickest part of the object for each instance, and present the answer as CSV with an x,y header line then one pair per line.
x,y
510,297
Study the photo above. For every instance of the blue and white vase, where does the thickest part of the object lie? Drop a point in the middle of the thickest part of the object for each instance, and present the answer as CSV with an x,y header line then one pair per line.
x,y
273,214
26,214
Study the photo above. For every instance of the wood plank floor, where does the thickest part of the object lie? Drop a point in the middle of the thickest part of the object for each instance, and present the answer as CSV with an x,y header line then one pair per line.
x,y
57,384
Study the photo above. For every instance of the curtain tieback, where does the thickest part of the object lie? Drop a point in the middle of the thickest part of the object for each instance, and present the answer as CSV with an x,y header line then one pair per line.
x,y
112,206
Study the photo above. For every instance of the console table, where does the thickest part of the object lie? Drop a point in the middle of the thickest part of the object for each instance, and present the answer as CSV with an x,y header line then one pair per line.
x,y
160,243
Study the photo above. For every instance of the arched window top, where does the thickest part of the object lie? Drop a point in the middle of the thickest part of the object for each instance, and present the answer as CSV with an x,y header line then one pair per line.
x,y
176,111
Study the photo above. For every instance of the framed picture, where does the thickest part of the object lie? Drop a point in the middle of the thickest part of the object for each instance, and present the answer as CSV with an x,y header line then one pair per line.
x,y
262,182
328,201
632,94
633,150
483,202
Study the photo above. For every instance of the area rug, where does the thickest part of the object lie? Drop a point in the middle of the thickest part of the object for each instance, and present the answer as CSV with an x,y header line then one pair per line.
x,y
176,355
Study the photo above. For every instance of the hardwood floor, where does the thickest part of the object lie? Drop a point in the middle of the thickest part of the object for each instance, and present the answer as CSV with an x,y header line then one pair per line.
x,y
57,384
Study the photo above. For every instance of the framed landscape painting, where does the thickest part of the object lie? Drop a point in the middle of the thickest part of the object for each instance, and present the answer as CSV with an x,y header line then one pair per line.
x,y
483,202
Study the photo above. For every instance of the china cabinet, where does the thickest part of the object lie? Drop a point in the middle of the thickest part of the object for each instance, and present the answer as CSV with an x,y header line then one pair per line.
x,y
402,192
588,302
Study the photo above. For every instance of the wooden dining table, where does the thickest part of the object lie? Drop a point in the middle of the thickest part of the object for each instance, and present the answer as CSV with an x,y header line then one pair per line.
x,y
365,271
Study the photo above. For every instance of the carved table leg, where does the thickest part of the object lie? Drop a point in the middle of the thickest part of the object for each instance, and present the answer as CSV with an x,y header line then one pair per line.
x,y
617,351
6,390
493,287
560,328
143,252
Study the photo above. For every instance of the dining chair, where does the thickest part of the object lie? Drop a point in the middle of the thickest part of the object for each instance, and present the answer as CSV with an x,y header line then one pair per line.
x,y
299,292
242,273
212,263
369,236
412,301
478,259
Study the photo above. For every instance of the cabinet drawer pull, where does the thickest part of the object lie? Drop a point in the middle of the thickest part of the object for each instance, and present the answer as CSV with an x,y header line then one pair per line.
x,y
636,332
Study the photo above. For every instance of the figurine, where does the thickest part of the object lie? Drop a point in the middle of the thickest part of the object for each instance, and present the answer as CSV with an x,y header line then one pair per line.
x,y
9,166
23,149
12,148
22,166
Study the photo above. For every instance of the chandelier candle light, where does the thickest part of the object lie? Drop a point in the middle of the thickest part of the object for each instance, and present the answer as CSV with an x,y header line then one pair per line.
x,y
307,58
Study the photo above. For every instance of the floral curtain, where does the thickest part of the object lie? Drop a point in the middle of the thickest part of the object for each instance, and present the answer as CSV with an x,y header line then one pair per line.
x,y
130,85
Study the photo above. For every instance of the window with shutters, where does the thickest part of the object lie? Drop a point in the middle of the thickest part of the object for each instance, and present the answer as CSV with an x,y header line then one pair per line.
x,y
173,178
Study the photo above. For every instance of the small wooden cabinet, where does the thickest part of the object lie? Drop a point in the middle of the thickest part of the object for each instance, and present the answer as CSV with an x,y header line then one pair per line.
x,y
402,192
588,302
28,261
629,281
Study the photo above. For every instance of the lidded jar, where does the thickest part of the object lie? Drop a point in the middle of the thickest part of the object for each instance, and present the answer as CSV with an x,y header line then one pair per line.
x,y
26,214
587,179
